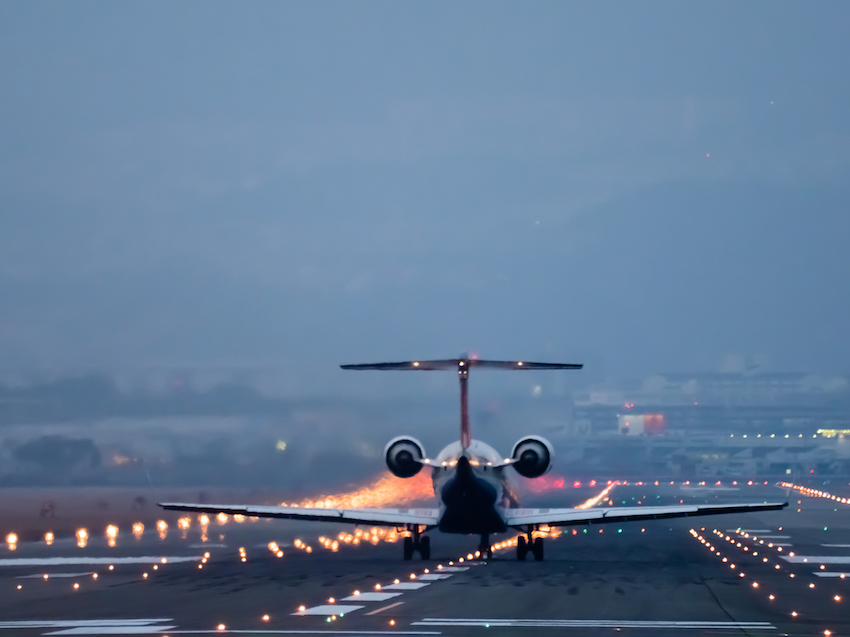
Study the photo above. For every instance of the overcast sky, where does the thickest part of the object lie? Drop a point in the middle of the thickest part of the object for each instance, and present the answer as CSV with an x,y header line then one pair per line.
x,y
642,187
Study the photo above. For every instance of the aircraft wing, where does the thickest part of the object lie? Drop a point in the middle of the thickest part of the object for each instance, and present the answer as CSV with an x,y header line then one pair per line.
x,y
570,517
375,517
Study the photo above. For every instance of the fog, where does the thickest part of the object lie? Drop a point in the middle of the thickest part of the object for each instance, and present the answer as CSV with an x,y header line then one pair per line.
x,y
242,197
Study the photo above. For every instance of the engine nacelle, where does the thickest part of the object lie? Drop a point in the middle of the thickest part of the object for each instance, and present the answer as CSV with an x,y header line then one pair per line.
x,y
533,456
404,456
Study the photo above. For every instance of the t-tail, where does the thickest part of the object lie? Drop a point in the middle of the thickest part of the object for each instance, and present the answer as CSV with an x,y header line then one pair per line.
x,y
462,366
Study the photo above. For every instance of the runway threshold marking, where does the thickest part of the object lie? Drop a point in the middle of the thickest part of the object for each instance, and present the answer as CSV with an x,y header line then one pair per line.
x,y
593,623
381,610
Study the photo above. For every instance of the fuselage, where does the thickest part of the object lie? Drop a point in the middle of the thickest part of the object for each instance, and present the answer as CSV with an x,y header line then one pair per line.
x,y
473,487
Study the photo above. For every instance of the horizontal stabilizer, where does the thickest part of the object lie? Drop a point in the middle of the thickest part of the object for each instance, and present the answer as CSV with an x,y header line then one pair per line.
x,y
455,363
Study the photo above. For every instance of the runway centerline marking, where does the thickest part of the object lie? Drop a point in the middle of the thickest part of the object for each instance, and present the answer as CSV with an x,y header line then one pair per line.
x,y
381,610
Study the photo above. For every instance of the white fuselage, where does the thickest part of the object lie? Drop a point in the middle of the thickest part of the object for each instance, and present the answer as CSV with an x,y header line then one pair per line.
x,y
485,485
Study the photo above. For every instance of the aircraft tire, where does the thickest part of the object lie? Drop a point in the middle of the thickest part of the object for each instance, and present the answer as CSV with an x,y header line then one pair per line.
x,y
408,549
425,548
521,548
537,549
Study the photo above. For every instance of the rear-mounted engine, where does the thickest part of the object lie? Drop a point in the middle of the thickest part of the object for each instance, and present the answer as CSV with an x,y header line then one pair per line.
x,y
404,456
532,456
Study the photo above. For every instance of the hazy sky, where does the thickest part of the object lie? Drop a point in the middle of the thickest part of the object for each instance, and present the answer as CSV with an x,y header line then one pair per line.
x,y
643,187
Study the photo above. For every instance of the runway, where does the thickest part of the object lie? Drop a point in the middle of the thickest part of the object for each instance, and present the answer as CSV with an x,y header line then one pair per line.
x,y
782,573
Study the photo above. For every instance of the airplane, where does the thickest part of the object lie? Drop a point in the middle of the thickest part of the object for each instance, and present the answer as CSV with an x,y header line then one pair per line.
x,y
475,491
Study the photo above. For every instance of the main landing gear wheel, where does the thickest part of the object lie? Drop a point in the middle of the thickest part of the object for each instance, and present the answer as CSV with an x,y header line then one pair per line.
x,y
537,549
521,548
485,551
412,545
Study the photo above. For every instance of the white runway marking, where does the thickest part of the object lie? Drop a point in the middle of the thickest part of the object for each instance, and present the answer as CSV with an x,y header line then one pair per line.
x,y
113,630
748,530
73,623
153,626
817,559
370,597
303,632
594,623
432,577
330,609
382,609
836,546
53,575
774,537
405,586
208,546
832,574
78,561
454,569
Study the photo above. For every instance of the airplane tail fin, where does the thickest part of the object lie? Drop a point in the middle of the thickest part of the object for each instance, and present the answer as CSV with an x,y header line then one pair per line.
x,y
462,366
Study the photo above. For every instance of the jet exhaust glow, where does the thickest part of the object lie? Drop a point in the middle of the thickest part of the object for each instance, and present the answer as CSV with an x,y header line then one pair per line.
x,y
387,490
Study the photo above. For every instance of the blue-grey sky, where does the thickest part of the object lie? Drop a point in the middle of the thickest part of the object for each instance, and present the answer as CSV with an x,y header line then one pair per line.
x,y
640,186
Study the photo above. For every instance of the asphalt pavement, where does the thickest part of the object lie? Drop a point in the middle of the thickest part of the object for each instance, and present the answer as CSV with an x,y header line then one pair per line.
x,y
758,574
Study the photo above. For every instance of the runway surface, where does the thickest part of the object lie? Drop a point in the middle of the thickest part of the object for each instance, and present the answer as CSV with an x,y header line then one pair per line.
x,y
782,573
